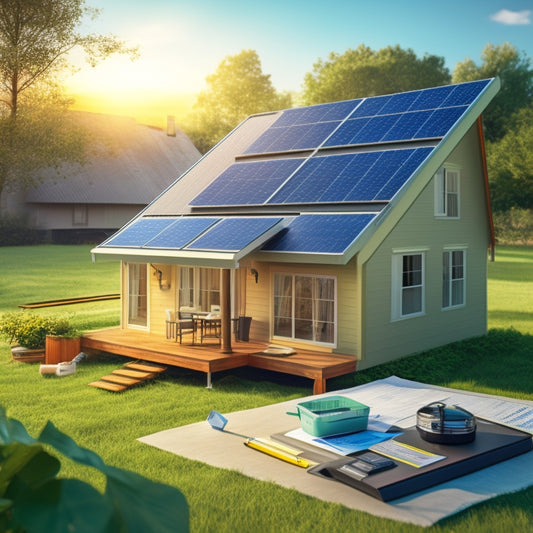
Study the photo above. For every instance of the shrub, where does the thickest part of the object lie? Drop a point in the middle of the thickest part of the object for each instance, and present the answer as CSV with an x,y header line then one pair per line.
x,y
514,226
14,231
30,330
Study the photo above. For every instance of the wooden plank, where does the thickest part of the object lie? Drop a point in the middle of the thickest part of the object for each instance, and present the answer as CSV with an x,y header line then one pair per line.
x,y
121,380
136,374
106,385
70,301
145,367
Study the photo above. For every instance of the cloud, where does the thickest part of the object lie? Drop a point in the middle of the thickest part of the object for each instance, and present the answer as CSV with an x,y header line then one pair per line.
x,y
512,18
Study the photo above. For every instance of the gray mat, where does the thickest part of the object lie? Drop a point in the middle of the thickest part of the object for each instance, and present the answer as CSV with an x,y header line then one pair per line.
x,y
222,449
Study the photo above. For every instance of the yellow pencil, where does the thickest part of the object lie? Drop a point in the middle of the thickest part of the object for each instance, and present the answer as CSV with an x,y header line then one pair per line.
x,y
274,452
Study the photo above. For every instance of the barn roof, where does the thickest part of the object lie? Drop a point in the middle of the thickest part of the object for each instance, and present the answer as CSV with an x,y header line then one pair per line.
x,y
133,165
307,184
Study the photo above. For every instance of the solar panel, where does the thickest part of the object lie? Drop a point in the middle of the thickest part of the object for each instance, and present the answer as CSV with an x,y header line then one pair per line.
x,y
303,128
140,232
324,233
359,177
402,174
184,230
465,93
440,122
233,233
251,182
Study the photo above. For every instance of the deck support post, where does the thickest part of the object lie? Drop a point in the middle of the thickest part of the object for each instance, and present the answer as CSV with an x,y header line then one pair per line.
x,y
225,311
209,386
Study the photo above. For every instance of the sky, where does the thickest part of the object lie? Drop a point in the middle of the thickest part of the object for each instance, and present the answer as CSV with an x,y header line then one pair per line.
x,y
181,42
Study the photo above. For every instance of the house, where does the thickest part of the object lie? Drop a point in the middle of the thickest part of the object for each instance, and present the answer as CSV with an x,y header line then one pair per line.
x,y
360,227
132,165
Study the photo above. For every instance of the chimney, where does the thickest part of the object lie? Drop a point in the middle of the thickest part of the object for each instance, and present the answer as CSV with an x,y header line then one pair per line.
x,y
171,126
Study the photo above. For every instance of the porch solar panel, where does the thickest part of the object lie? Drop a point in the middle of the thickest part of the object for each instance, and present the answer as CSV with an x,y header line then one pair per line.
x,y
140,232
320,233
179,234
233,233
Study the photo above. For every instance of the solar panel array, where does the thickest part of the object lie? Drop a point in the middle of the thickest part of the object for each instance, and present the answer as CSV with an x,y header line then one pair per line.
x,y
375,175
193,233
320,233
425,113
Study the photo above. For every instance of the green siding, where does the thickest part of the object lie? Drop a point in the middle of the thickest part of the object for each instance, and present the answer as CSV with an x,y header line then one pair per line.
x,y
384,339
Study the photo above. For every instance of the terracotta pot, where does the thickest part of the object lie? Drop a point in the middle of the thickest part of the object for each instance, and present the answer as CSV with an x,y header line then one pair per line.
x,y
61,349
27,355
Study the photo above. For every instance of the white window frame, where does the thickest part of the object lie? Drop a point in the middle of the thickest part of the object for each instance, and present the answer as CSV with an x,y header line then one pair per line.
x,y
199,292
398,288
444,184
293,317
448,278
134,291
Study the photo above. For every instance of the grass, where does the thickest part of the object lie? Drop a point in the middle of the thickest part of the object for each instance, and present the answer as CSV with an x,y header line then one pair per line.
x,y
221,500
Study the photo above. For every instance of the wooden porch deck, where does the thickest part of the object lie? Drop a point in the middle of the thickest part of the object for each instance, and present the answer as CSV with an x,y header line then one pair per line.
x,y
318,366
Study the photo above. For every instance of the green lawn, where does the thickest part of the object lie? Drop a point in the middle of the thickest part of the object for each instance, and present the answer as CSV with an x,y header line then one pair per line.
x,y
226,501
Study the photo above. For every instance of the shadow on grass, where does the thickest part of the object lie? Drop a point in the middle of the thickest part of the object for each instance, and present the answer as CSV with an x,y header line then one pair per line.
x,y
502,360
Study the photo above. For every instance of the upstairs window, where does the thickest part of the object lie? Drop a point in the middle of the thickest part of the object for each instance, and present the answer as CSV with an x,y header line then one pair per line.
x,y
447,193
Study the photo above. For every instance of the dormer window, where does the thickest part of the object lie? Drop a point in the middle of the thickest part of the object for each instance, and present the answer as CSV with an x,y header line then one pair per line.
x,y
447,192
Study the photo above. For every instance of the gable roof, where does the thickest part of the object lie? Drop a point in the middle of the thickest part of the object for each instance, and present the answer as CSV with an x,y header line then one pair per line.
x,y
328,174
135,163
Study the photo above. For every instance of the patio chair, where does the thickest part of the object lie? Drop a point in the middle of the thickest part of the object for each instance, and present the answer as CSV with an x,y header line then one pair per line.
x,y
185,325
170,323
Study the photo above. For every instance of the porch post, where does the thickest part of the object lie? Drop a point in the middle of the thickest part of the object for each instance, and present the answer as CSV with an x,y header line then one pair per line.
x,y
225,311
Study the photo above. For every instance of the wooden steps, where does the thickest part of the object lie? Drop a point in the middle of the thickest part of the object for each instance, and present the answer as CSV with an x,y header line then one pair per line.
x,y
129,375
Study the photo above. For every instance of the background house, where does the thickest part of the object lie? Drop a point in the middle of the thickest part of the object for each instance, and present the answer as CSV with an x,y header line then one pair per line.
x,y
358,227
133,165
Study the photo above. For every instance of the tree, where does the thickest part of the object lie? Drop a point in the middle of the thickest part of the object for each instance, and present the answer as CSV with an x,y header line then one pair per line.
x,y
516,76
36,37
365,72
238,88
510,164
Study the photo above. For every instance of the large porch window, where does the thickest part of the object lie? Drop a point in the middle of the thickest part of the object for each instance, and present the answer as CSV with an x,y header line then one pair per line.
x,y
199,288
137,295
305,308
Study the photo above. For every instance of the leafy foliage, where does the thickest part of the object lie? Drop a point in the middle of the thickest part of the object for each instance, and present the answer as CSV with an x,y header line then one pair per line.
x,y
35,39
238,88
510,163
34,499
30,330
364,72
514,226
514,70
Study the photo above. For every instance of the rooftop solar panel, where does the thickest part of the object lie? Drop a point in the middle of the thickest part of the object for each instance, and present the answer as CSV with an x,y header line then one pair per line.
x,y
431,98
141,231
233,233
303,128
247,183
399,103
465,93
324,233
184,230
356,177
